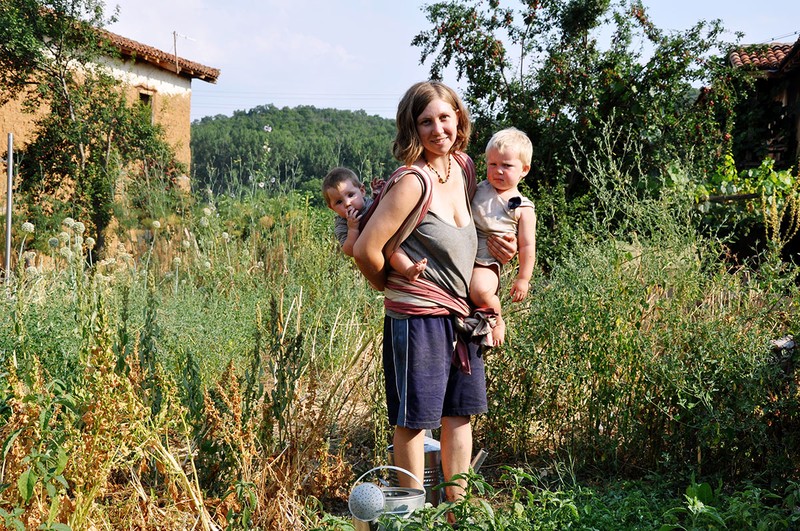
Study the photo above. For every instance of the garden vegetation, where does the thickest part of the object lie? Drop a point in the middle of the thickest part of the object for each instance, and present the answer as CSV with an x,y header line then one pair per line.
x,y
216,365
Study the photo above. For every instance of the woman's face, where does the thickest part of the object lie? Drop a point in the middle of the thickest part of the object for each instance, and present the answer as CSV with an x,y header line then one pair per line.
x,y
437,127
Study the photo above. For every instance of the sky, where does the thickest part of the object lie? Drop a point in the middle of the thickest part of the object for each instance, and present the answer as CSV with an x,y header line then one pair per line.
x,y
354,54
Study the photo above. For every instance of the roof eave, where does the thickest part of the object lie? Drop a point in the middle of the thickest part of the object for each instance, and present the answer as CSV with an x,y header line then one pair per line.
x,y
136,51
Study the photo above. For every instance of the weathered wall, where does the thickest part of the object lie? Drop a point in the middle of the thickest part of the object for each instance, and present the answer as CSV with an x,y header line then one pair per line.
x,y
21,126
171,98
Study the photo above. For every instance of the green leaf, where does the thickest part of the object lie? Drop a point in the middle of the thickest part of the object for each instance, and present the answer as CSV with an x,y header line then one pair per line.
x,y
9,442
61,462
26,483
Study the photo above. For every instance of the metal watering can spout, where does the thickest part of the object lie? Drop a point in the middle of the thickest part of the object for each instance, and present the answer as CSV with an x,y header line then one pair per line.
x,y
368,501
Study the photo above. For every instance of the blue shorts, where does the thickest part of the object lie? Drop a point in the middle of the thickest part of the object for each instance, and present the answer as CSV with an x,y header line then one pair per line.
x,y
422,384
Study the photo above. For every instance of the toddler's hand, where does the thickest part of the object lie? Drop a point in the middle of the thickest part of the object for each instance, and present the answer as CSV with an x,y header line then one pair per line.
x,y
519,290
377,186
353,217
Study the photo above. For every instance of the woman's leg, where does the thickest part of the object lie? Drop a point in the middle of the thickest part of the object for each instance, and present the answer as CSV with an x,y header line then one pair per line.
x,y
456,444
409,453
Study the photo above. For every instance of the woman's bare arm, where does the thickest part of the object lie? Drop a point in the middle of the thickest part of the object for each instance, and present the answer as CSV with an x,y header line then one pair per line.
x,y
394,208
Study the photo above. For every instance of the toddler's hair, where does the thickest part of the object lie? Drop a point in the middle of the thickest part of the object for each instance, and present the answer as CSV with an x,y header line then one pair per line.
x,y
514,139
338,175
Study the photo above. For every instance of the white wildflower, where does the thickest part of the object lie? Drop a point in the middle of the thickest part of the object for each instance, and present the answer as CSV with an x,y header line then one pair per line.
x,y
204,222
185,244
79,227
53,242
63,236
68,222
66,252
28,227
206,211
90,243
176,262
207,264
226,236
156,224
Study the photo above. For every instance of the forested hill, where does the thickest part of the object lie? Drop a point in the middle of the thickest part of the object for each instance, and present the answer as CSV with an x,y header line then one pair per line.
x,y
288,148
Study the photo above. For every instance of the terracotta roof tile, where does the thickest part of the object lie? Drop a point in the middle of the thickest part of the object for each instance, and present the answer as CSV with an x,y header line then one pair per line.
x,y
165,60
770,57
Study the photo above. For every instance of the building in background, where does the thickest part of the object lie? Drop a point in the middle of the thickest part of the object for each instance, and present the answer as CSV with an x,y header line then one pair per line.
x,y
160,79
768,121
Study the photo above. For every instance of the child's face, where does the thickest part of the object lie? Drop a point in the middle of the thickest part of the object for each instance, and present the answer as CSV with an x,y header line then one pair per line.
x,y
344,196
504,169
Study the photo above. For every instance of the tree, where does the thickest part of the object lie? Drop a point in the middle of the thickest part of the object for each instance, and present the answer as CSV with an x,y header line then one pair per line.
x,y
294,146
542,68
50,58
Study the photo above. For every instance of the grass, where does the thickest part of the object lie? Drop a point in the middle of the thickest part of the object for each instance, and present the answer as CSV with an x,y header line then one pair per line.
x,y
219,369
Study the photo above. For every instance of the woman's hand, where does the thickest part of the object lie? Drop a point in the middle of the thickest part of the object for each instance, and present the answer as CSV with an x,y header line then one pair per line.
x,y
502,248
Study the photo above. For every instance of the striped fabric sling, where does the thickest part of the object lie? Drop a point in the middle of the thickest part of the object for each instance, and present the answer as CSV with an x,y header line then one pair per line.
x,y
423,297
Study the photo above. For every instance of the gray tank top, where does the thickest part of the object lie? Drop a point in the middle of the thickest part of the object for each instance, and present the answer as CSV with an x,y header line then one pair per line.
x,y
450,251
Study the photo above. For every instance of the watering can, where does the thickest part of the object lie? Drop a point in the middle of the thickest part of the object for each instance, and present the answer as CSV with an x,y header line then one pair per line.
x,y
368,501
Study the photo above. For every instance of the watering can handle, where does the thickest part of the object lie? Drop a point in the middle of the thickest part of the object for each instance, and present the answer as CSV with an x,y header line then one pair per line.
x,y
391,467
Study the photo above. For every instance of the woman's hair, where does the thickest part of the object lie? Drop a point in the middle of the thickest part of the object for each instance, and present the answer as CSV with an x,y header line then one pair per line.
x,y
514,139
407,146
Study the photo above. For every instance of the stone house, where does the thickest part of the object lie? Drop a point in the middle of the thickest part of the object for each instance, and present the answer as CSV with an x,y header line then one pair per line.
x,y
161,79
776,131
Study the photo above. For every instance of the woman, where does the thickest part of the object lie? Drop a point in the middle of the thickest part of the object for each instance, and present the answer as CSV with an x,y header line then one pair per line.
x,y
424,389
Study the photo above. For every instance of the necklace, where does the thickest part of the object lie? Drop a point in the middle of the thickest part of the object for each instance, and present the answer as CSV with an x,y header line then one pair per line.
x,y
444,179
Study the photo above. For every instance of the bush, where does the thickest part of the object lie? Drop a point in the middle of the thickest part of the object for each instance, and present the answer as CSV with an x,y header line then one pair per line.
x,y
641,351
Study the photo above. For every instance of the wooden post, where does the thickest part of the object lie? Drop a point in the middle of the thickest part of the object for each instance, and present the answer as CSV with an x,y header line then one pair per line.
x,y
9,190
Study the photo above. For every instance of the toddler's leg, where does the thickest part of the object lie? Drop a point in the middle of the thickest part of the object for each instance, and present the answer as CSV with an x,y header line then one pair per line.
x,y
401,263
483,293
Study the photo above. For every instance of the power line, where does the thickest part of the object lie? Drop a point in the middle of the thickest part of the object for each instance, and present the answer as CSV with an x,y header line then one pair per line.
x,y
776,39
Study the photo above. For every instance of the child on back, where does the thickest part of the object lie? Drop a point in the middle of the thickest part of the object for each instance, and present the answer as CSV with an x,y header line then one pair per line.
x,y
346,195
498,208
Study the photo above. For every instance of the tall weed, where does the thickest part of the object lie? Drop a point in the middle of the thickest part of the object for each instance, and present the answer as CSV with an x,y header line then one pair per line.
x,y
640,351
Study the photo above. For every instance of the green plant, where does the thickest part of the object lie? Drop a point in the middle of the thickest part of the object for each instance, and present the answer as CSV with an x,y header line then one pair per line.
x,y
90,133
